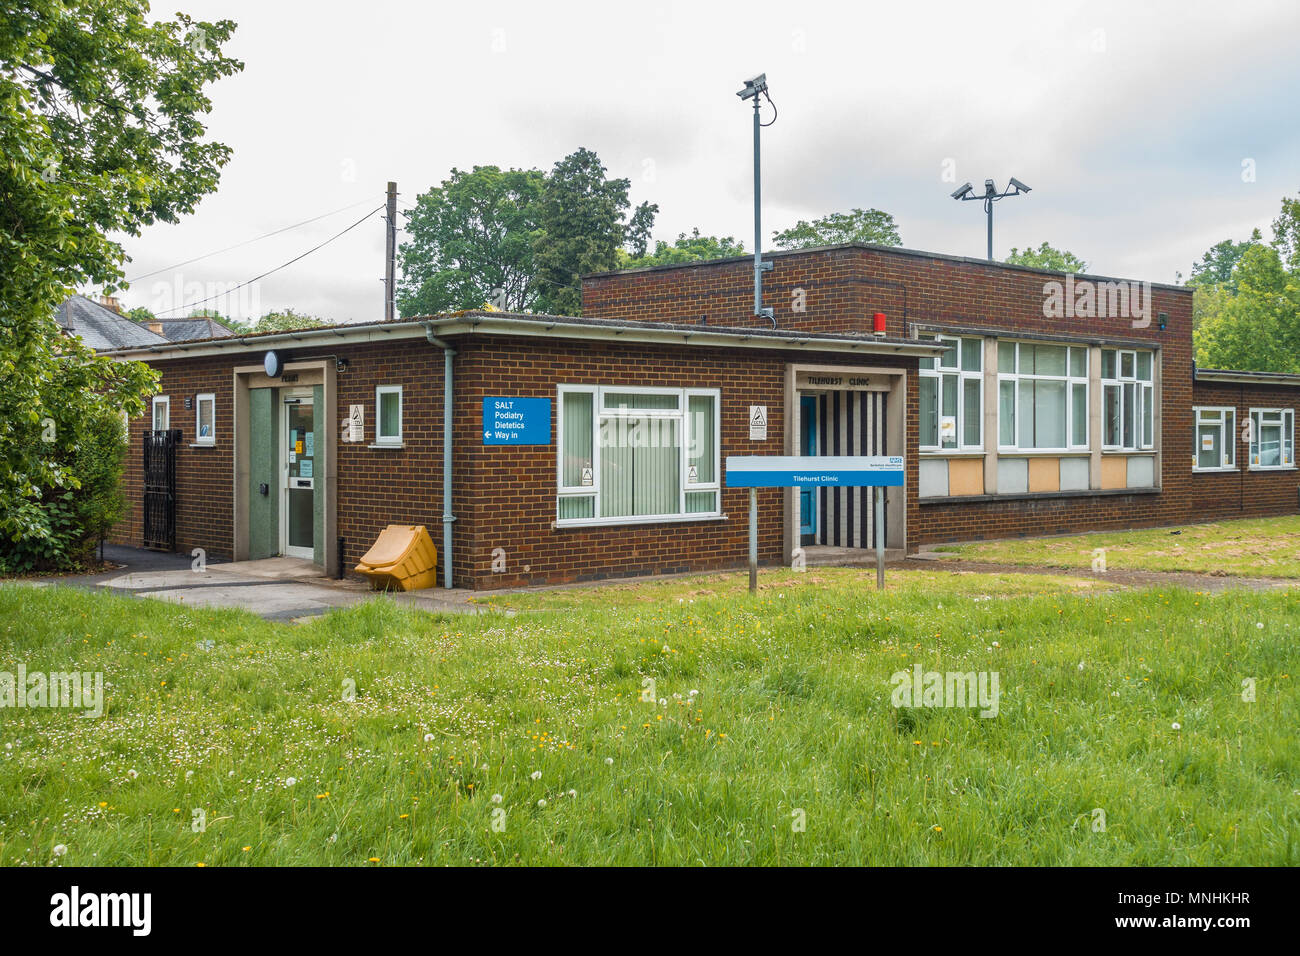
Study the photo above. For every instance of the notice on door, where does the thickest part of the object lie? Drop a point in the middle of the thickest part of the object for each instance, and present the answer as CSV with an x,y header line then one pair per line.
x,y
758,423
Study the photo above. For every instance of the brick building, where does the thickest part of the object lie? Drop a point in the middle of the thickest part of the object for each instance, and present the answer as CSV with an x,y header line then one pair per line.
x,y
1024,402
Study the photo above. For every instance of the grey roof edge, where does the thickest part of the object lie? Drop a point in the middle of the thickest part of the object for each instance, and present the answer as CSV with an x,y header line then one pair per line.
x,y
1241,375
545,323
892,250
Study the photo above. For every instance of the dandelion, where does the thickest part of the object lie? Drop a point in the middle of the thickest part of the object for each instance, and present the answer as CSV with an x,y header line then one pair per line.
x,y
542,802
609,761
428,738
936,828
189,774
536,775
693,693
996,644
246,848
573,793
132,774
496,798
59,849
290,781
1080,665
1177,725
1260,625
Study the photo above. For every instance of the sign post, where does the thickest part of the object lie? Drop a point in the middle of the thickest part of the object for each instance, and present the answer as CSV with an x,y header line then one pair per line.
x,y
839,471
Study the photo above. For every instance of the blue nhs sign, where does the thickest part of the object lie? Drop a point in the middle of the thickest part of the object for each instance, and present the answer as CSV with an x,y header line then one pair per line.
x,y
516,421
812,471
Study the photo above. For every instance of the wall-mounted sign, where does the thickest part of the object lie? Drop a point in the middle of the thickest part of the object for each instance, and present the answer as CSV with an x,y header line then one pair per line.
x,y
758,423
787,471
353,428
516,421
947,428
814,381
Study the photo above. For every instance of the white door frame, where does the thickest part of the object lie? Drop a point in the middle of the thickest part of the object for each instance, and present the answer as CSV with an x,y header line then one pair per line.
x,y
304,397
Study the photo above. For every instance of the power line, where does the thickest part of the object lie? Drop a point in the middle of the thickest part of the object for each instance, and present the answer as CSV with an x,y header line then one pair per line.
x,y
276,269
247,242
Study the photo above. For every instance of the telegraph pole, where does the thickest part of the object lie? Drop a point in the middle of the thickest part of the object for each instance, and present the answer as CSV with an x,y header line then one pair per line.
x,y
390,257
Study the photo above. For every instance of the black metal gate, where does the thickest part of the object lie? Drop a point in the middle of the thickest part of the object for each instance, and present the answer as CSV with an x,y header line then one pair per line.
x,y
160,489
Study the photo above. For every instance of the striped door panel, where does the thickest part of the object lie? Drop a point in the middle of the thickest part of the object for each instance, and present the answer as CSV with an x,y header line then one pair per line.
x,y
849,423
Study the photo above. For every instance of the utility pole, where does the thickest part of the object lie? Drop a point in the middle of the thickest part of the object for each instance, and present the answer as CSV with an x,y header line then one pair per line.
x,y
390,257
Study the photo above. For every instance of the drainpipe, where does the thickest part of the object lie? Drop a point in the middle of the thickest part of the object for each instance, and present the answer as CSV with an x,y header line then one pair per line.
x,y
447,392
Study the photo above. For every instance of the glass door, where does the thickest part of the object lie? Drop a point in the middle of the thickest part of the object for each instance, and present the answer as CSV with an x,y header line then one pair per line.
x,y
298,454
808,446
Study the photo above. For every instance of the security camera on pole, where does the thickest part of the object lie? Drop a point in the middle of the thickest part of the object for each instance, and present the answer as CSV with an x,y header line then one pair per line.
x,y
989,197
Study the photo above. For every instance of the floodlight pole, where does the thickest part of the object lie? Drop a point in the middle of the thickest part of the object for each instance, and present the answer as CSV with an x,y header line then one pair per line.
x,y
758,226
990,196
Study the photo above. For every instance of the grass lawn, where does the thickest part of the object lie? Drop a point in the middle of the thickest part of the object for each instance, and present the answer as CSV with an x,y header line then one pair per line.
x,y
1128,702
1251,547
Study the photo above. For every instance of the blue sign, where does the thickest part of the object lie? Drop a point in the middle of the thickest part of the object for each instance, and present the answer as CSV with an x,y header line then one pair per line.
x,y
516,421
834,471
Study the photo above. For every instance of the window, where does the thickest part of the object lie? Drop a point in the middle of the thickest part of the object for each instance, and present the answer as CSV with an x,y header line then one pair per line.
x,y
1215,439
388,415
952,395
162,413
1272,438
1128,400
1042,396
205,419
637,454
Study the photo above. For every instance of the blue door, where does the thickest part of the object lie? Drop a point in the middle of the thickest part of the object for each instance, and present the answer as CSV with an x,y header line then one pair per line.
x,y
807,446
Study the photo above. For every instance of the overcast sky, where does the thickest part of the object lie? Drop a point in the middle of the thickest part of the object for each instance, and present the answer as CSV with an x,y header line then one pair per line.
x,y
1147,131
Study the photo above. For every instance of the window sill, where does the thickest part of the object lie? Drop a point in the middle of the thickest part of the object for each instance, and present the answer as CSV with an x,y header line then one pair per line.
x,y
203,444
1035,495
953,453
562,523
1040,453
1127,452
1214,471
1271,468
397,445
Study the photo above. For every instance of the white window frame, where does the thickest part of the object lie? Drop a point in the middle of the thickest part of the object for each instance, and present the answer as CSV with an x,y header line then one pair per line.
x,y
1070,380
1227,425
199,399
1144,399
164,402
1286,437
937,371
681,415
380,438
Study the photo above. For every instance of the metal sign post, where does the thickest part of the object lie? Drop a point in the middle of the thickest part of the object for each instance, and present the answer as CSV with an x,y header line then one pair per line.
x,y
837,471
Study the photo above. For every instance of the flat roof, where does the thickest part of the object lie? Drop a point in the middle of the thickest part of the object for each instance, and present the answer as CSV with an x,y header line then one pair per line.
x,y
523,324
1246,377
890,250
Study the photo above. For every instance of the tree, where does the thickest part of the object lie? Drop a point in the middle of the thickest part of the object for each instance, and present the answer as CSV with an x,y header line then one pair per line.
x,y
472,241
1047,256
101,132
583,227
692,248
141,314
870,226
1247,302
1215,267
286,321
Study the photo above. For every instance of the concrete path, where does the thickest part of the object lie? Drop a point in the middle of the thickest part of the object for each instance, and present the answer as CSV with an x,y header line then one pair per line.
x,y
275,588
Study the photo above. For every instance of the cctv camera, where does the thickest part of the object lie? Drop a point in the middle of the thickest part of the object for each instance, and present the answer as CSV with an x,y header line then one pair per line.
x,y
1019,185
961,193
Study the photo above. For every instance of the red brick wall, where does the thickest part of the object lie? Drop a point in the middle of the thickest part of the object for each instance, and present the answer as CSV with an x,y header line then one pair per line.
x,y
843,287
